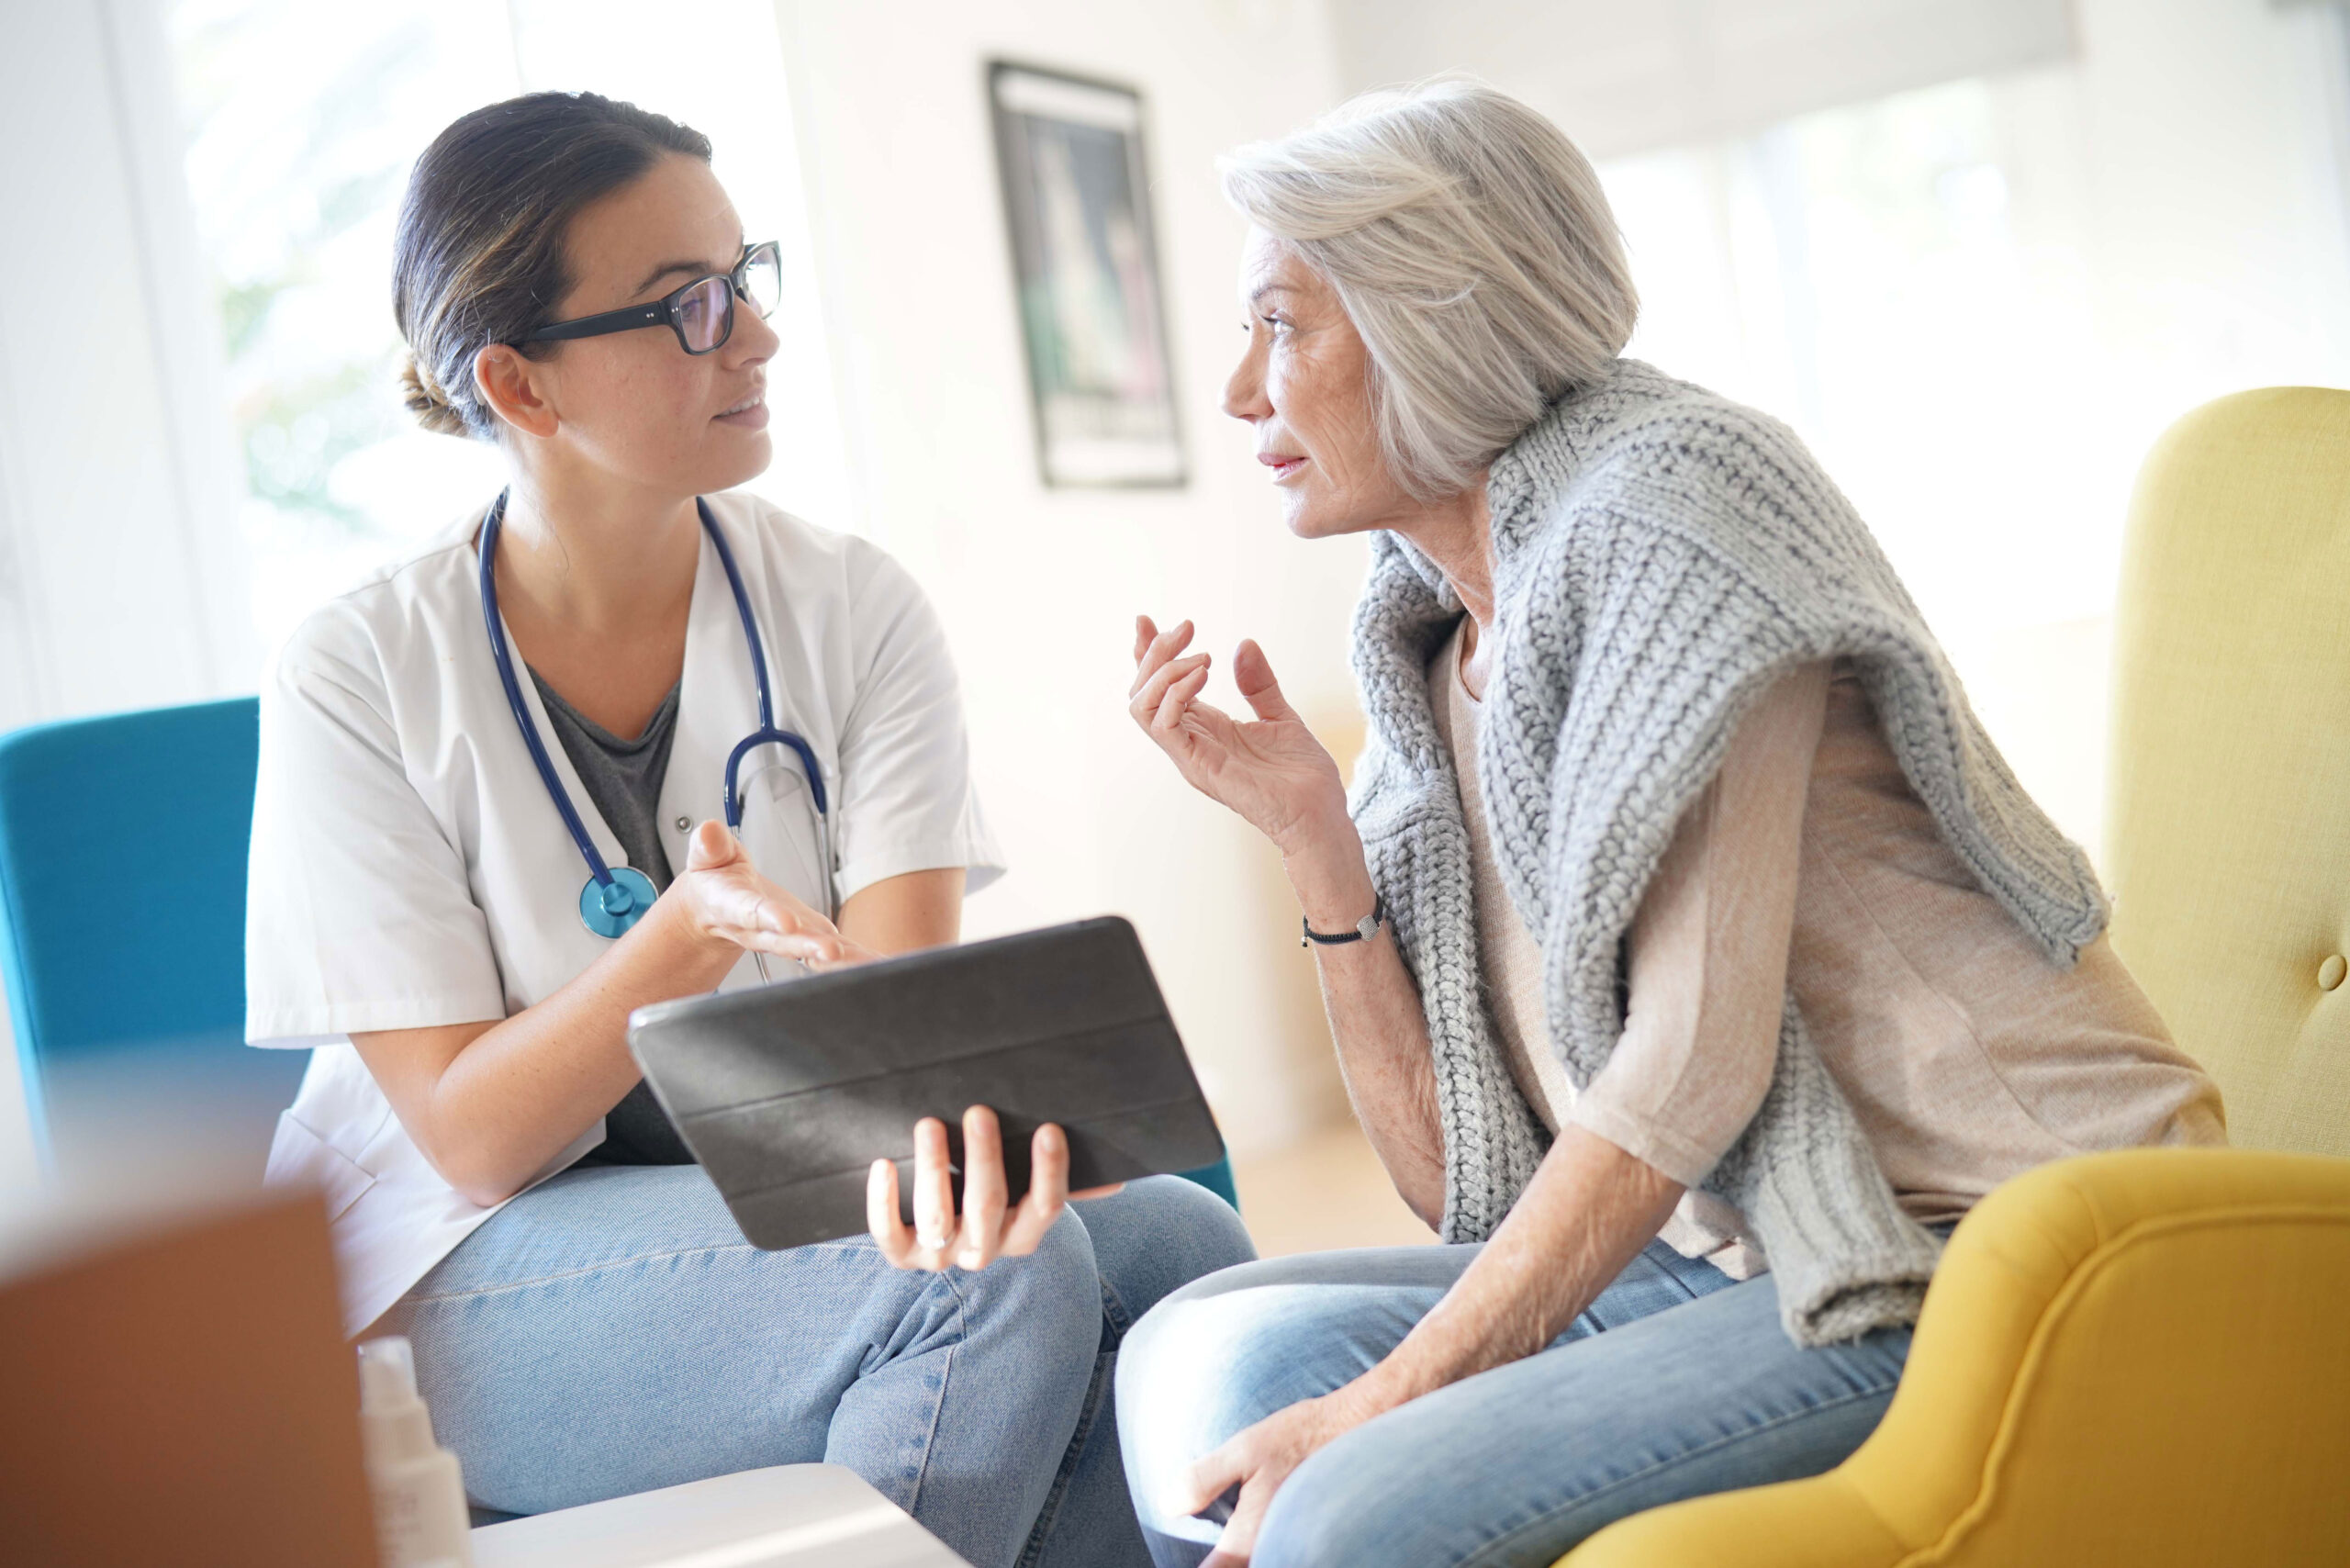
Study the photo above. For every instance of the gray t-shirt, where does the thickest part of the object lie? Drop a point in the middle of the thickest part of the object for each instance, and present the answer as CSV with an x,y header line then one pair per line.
x,y
624,781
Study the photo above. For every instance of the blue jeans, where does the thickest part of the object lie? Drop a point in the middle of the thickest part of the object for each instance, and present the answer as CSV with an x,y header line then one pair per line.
x,y
611,1331
1676,1381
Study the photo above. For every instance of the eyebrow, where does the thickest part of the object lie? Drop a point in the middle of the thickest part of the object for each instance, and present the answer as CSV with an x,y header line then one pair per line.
x,y
697,268
1257,296
668,268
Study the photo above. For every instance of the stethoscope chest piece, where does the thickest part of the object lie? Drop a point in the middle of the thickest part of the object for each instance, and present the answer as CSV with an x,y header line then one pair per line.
x,y
610,908
616,897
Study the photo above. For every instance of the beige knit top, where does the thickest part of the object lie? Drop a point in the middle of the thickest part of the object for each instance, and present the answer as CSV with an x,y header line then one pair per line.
x,y
1809,863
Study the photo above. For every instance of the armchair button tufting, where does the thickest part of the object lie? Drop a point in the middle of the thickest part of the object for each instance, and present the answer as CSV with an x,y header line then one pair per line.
x,y
2330,973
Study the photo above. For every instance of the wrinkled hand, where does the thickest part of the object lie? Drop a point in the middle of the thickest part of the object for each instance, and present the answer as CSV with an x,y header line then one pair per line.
x,y
729,901
989,1226
1261,1458
1272,772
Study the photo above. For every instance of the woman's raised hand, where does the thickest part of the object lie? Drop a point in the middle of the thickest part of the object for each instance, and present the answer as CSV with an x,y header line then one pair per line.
x,y
1272,771
729,901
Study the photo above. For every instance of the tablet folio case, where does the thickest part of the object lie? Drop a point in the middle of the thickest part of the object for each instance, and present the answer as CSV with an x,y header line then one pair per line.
x,y
788,1094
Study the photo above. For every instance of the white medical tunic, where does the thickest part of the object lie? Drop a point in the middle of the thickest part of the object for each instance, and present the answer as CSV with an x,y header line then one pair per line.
x,y
408,869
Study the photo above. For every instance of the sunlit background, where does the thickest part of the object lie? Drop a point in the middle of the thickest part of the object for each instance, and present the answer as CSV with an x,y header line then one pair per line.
x,y
1978,252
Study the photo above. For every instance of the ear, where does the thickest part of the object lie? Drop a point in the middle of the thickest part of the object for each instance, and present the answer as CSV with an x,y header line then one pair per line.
x,y
516,389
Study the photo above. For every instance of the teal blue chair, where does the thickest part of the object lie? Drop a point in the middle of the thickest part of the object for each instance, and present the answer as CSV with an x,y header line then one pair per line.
x,y
122,937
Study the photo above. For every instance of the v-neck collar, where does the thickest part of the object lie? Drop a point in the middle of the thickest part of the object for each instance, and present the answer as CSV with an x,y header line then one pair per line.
x,y
664,717
708,614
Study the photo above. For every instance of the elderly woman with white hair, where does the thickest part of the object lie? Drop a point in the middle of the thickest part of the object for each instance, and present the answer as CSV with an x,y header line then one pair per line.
x,y
1693,958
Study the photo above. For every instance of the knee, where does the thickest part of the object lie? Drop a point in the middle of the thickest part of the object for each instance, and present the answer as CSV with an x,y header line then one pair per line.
x,y
1063,1268
1051,1295
1360,1501
1203,1232
1172,1407
1159,1235
1196,1371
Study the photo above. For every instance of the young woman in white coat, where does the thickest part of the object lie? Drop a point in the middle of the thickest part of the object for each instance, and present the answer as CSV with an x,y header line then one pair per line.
x,y
489,825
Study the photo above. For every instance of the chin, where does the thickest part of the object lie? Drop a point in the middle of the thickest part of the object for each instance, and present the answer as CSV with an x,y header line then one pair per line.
x,y
750,458
1306,521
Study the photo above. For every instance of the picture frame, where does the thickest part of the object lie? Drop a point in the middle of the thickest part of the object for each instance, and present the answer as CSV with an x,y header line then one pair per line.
x,y
1086,280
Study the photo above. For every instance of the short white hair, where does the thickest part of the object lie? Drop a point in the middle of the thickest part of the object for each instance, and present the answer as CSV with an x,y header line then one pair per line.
x,y
1472,246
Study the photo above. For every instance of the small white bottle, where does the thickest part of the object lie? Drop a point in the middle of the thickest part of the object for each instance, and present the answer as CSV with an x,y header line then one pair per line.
x,y
419,1497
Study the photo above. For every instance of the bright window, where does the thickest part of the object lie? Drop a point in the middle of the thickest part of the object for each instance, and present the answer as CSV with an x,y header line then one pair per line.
x,y
304,122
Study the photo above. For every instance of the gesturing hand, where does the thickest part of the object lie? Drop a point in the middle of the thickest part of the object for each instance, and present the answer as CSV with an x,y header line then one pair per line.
x,y
1259,1458
730,901
1272,772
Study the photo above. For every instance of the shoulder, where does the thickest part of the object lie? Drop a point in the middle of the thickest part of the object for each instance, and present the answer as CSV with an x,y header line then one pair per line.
x,y
1642,427
400,612
802,560
1644,457
858,600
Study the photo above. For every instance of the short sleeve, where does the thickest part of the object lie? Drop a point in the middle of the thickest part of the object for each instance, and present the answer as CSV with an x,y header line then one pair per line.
x,y
359,915
907,801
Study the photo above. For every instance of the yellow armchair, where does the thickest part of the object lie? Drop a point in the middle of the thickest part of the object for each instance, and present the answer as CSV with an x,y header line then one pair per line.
x,y
2140,1358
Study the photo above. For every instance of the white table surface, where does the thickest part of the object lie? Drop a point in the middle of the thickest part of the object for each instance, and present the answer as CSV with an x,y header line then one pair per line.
x,y
791,1516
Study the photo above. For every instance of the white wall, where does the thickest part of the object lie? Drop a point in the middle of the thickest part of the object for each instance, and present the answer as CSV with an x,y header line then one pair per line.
x,y
1039,587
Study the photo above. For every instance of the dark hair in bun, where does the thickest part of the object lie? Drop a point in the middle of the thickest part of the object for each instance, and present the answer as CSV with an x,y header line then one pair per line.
x,y
478,256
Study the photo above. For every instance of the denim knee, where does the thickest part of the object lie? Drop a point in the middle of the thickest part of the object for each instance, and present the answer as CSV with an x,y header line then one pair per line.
x,y
1349,1502
1050,1296
1197,1369
1157,1236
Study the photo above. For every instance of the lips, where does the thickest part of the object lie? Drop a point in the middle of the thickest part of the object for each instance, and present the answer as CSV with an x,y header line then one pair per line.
x,y
750,409
1282,463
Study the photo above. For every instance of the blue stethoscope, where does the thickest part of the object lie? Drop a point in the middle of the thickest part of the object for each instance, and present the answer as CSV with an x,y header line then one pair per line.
x,y
616,897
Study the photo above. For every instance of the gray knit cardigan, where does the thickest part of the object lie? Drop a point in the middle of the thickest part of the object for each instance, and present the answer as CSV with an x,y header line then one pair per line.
x,y
1661,554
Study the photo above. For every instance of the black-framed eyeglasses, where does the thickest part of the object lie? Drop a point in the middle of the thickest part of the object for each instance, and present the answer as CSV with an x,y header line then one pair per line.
x,y
701,313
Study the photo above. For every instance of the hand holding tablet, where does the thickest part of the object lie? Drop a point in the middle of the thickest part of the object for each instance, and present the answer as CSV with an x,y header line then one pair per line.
x,y
988,1226
999,1073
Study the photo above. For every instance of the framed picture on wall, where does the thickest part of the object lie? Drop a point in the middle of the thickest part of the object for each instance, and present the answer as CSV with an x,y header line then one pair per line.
x,y
1085,272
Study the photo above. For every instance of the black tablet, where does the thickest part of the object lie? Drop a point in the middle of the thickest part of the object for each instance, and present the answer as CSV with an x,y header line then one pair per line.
x,y
788,1094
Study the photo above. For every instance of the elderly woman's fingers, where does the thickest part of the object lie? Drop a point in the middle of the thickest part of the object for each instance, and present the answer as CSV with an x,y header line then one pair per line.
x,y
1238,1542
1180,696
1236,1464
983,1190
1145,628
1252,672
1152,693
1160,649
1048,1192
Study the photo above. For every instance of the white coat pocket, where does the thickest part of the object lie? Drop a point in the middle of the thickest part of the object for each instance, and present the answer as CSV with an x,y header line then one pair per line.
x,y
300,1158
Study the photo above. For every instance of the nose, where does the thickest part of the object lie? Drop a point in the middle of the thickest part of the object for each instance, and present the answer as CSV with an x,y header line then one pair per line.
x,y
1244,392
752,341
